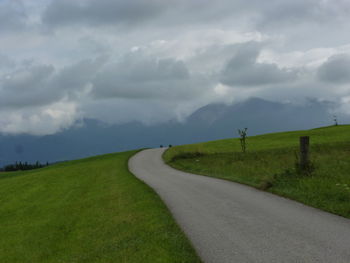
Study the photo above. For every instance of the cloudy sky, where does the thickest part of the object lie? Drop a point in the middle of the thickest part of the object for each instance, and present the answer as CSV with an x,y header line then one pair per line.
x,y
155,60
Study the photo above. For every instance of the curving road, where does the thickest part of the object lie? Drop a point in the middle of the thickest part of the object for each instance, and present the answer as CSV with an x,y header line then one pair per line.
x,y
230,222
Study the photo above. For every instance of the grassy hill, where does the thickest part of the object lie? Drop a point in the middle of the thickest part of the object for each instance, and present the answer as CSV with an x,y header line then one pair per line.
x,y
90,210
269,164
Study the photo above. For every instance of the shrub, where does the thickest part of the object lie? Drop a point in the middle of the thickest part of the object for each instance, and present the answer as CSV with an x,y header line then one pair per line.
x,y
243,136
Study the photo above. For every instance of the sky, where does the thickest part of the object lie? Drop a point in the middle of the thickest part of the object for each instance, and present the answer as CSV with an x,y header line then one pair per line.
x,y
155,60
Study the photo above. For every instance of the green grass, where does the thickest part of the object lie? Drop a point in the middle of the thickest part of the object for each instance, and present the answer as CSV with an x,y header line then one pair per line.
x,y
269,164
90,210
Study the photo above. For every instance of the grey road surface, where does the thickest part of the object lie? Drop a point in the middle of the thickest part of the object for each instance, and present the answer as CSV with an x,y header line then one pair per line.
x,y
230,222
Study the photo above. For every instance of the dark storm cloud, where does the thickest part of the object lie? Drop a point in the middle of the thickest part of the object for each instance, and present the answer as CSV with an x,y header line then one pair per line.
x,y
141,76
39,85
280,15
74,78
12,16
336,69
244,70
255,13
27,87
91,12
298,12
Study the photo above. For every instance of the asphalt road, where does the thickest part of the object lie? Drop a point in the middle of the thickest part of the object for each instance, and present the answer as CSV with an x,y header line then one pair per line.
x,y
230,222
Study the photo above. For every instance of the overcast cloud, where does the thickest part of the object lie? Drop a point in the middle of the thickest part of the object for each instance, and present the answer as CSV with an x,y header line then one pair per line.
x,y
155,60
12,16
336,69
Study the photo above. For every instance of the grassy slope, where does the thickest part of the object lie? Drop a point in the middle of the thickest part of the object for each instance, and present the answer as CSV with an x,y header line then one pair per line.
x,y
269,164
90,210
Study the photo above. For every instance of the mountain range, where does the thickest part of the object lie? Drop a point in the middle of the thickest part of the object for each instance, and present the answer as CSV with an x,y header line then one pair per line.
x,y
211,122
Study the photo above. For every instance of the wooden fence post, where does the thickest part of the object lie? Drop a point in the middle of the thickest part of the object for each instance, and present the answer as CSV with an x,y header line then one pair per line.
x,y
304,152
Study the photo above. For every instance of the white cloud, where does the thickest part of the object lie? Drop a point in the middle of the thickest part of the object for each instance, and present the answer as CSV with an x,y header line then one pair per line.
x,y
243,69
39,120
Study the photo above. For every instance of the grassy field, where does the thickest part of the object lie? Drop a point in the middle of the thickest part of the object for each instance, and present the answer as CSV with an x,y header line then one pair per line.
x,y
90,210
269,164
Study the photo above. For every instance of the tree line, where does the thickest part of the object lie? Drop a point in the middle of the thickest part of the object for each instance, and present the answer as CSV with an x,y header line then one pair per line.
x,y
19,166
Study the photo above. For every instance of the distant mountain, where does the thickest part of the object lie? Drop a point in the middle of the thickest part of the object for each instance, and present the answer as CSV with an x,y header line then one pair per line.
x,y
214,121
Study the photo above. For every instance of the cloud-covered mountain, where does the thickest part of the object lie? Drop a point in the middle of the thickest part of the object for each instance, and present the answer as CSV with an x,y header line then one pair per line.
x,y
214,121
152,61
